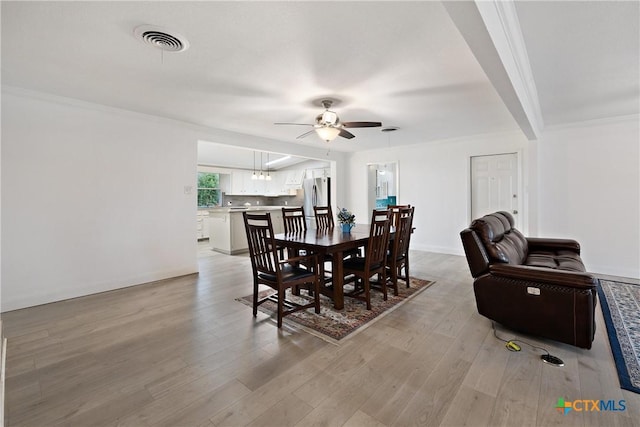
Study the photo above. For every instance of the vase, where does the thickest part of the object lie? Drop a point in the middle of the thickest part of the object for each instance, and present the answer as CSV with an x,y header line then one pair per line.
x,y
346,228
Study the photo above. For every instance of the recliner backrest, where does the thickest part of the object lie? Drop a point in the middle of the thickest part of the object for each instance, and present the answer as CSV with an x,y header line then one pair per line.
x,y
492,239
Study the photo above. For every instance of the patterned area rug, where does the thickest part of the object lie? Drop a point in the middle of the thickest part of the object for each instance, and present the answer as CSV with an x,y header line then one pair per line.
x,y
621,308
334,325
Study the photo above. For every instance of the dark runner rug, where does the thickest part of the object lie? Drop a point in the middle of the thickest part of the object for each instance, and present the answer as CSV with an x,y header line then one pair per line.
x,y
620,304
334,325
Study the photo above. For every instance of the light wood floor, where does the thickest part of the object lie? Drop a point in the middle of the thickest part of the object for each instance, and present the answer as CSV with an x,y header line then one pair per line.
x,y
182,352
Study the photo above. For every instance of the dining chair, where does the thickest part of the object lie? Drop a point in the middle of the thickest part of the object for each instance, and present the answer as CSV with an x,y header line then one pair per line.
x,y
324,217
398,258
394,211
294,220
270,270
324,221
374,261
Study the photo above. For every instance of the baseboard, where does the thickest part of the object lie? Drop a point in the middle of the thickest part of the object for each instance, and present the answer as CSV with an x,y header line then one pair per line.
x,y
438,249
613,271
17,302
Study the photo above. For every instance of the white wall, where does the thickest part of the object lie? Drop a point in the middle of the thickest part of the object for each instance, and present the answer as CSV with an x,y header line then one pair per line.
x,y
434,178
590,191
580,181
93,198
91,201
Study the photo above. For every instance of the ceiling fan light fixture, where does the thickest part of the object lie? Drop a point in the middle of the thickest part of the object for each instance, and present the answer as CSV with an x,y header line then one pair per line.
x,y
329,117
328,133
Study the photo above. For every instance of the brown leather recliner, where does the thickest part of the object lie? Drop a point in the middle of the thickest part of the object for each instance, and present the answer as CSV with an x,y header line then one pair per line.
x,y
532,285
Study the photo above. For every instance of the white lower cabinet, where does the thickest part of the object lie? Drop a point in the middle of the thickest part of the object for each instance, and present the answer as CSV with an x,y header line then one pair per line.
x,y
202,228
227,233
220,232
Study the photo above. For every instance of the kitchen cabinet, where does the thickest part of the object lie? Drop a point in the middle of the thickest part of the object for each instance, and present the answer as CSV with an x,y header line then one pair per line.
x,y
242,184
220,231
227,233
277,186
294,179
318,173
202,227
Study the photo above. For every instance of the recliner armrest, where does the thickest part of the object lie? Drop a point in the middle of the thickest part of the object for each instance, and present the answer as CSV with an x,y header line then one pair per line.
x,y
544,275
538,244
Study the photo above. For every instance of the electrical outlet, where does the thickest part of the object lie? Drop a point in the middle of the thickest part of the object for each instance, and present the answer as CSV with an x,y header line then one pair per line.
x,y
188,189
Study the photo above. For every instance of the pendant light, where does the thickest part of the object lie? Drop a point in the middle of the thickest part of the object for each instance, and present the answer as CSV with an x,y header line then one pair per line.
x,y
268,174
261,177
254,176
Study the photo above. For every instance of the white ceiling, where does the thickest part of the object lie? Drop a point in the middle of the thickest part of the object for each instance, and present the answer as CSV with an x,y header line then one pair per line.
x,y
251,64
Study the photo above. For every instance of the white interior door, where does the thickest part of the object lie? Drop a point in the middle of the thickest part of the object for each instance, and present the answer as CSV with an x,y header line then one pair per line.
x,y
494,185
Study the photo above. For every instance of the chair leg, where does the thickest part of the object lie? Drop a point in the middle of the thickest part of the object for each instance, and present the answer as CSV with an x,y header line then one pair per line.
x,y
255,299
406,270
280,306
384,284
394,278
316,295
367,292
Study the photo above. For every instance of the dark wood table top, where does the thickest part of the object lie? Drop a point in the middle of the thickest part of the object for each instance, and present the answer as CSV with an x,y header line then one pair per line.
x,y
333,238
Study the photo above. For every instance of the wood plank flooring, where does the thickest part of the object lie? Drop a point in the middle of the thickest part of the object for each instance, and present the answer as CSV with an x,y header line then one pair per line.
x,y
182,352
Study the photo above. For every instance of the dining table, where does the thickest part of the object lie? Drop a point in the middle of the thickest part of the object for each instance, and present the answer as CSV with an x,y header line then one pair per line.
x,y
330,241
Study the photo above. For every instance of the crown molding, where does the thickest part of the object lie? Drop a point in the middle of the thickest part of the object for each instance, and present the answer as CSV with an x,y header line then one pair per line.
x,y
605,121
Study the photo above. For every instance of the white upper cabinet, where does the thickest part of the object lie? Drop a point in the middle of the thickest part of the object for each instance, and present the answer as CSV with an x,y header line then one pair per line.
x,y
276,186
294,179
282,183
242,184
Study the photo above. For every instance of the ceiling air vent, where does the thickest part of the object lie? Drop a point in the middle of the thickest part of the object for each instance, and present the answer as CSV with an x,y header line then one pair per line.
x,y
161,38
389,129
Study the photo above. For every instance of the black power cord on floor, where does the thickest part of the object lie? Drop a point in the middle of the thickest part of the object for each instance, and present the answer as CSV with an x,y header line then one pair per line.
x,y
512,345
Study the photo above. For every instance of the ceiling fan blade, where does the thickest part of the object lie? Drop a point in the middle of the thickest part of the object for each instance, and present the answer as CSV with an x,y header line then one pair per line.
x,y
297,124
361,124
346,134
305,134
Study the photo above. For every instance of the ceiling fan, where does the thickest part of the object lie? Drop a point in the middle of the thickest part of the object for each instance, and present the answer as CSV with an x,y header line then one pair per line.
x,y
328,126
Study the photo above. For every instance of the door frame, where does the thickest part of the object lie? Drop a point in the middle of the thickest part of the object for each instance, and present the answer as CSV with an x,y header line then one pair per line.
x,y
521,203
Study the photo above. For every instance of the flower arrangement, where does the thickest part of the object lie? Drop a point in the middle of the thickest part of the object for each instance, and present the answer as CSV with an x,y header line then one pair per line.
x,y
346,217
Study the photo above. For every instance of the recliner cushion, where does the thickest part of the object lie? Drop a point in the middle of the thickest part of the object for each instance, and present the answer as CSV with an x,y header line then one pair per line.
x,y
557,260
502,242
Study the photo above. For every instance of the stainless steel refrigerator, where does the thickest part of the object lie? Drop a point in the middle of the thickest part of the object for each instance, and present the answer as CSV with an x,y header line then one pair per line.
x,y
317,192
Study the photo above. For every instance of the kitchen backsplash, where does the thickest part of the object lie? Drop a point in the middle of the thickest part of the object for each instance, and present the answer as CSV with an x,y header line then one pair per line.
x,y
234,200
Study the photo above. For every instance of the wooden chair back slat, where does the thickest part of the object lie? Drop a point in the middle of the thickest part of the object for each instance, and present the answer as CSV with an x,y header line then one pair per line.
x,y
294,220
378,238
403,232
395,210
324,217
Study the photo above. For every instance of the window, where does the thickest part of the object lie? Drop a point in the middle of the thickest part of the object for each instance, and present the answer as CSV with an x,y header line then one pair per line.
x,y
208,189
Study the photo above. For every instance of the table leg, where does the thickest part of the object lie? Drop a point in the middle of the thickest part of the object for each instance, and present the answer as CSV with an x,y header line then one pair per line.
x,y
338,280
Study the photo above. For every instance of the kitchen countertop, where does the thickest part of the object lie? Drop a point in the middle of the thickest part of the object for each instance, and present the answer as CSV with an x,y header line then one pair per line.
x,y
225,209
